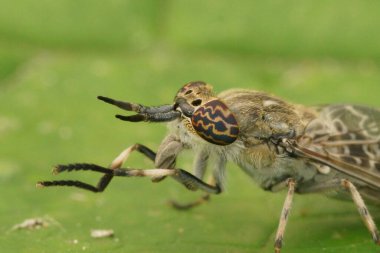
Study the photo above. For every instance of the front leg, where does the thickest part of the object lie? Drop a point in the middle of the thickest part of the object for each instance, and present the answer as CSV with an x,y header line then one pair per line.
x,y
190,181
169,149
166,157
108,173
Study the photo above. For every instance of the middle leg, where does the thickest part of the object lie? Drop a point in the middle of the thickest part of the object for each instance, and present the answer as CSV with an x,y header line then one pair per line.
x,y
216,179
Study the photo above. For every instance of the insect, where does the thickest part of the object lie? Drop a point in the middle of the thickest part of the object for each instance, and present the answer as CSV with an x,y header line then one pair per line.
x,y
332,149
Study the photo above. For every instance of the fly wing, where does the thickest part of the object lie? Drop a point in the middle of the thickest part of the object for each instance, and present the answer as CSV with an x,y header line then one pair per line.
x,y
346,138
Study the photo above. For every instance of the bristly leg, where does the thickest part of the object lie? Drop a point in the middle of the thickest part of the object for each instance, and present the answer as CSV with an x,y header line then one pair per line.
x,y
190,181
363,210
185,178
333,185
80,166
284,215
200,166
338,184
77,184
108,173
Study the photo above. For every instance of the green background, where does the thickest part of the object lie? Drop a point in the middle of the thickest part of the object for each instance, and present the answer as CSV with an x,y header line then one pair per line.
x,y
57,56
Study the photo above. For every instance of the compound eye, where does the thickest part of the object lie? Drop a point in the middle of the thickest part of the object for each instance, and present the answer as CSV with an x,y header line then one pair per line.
x,y
215,123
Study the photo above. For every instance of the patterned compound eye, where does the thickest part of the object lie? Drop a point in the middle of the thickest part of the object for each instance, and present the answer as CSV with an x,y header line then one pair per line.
x,y
215,123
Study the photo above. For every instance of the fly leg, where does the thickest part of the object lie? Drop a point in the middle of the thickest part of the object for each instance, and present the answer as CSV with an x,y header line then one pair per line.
x,y
356,197
190,181
200,166
216,180
108,173
164,161
363,210
165,157
284,215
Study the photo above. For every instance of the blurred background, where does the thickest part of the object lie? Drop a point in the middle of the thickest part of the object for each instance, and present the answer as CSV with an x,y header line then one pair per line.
x,y
57,56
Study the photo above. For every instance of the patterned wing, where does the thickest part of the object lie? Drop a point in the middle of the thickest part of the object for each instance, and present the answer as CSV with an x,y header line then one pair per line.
x,y
346,138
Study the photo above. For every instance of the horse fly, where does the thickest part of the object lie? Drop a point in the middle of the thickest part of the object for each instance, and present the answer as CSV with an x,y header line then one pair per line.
x,y
332,149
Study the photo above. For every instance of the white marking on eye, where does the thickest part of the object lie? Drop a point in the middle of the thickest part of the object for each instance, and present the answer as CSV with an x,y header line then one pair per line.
x,y
269,103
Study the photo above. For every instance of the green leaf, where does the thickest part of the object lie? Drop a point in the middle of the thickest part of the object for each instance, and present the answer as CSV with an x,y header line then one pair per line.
x,y
51,71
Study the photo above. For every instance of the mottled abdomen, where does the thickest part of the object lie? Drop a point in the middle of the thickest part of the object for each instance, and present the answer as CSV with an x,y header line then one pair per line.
x,y
215,123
